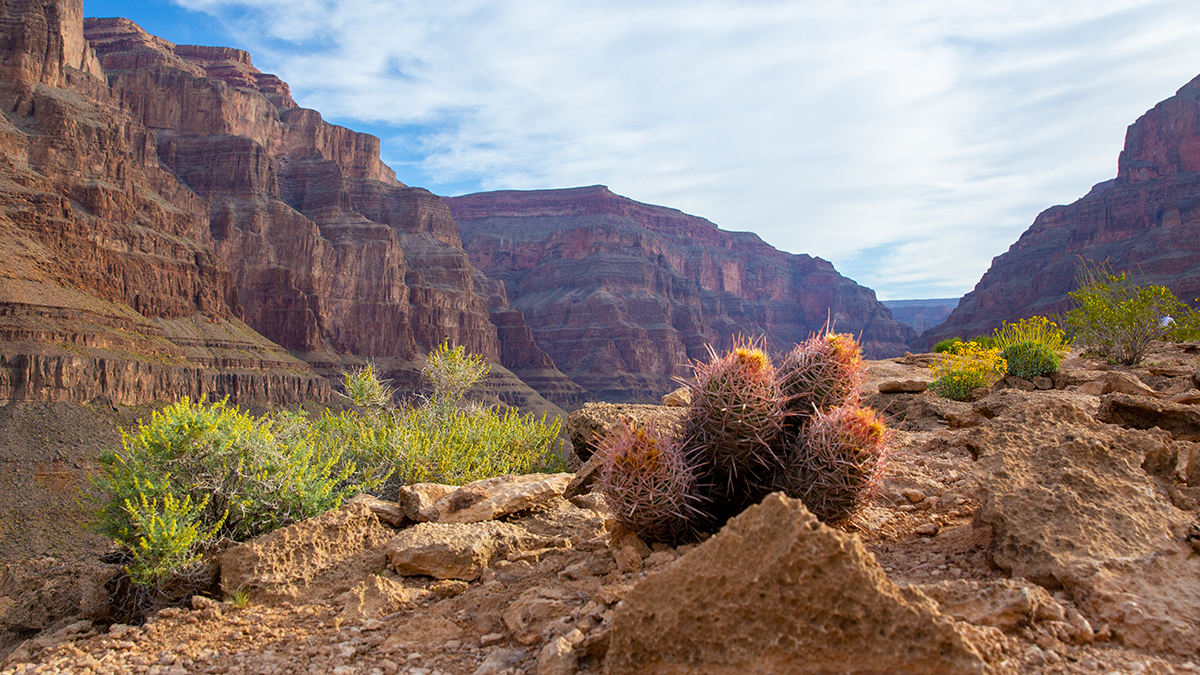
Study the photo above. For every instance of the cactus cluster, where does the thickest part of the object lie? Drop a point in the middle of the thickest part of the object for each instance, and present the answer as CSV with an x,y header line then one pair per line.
x,y
752,428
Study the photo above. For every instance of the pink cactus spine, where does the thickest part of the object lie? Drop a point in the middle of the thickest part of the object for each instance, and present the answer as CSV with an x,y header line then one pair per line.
x,y
648,482
822,373
736,410
837,461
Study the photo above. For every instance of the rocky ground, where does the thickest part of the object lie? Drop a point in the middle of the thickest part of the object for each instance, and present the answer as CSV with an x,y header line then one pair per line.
x,y
1032,530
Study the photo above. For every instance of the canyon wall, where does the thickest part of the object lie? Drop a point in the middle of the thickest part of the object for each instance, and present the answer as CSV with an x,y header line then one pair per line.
x,y
1146,222
333,258
109,284
622,294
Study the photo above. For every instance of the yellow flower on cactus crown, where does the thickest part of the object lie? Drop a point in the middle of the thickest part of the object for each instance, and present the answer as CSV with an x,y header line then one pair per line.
x,y
753,356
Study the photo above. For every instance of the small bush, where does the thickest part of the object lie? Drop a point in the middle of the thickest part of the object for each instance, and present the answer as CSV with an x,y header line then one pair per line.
x,y
945,346
966,368
1030,359
1116,318
1031,347
201,471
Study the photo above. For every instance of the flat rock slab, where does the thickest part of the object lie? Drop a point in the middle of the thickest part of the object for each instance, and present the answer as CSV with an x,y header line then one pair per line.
x,y
1139,412
810,599
493,498
1117,382
903,386
486,499
458,550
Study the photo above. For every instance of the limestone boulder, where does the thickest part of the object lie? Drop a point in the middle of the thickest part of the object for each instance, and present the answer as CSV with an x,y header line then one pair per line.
x,y
1117,382
493,498
317,558
591,423
418,500
811,599
459,550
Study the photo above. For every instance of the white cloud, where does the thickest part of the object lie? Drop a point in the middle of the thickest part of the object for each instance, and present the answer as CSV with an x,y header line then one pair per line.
x,y
907,141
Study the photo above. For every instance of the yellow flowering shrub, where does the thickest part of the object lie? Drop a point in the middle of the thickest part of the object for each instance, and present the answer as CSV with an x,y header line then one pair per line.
x,y
966,367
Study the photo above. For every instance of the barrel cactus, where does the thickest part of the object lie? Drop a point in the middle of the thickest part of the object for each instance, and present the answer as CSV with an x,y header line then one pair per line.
x,y
821,373
736,411
648,482
837,459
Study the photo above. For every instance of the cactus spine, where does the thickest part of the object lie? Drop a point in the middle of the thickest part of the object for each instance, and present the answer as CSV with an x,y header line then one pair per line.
x,y
736,411
648,482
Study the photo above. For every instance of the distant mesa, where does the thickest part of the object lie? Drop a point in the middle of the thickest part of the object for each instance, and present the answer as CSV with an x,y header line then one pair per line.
x,y
921,315
1145,221
622,294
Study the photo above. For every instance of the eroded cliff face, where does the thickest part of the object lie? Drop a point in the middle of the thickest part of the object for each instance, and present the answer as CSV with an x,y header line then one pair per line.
x,y
333,258
109,285
1145,221
622,294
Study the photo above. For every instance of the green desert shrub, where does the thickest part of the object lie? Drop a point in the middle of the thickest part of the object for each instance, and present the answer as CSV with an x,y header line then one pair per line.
x,y
1115,318
1031,347
946,345
200,471
440,439
965,368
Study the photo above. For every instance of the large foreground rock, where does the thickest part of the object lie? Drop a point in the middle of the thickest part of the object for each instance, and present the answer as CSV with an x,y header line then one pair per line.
x,y
1073,507
810,599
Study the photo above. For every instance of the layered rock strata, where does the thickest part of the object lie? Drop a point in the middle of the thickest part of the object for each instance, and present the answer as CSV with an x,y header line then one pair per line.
x,y
334,258
1145,222
622,294
109,286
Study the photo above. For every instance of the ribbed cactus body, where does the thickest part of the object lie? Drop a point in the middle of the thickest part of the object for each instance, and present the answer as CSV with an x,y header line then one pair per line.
x,y
648,482
823,372
736,411
836,462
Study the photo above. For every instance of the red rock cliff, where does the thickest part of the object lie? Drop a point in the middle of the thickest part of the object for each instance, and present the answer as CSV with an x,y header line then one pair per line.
x,y
621,294
1145,221
333,257
109,285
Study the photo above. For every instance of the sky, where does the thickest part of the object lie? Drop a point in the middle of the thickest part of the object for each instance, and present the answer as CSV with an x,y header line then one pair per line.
x,y
908,142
